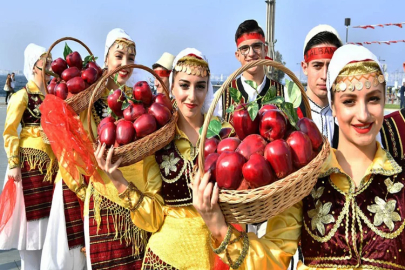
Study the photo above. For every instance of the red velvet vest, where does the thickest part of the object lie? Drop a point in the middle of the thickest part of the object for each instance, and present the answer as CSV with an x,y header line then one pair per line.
x,y
32,115
363,228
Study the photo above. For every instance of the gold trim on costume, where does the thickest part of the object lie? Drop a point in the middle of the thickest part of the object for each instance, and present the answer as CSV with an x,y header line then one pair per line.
x,y
192,66
125,44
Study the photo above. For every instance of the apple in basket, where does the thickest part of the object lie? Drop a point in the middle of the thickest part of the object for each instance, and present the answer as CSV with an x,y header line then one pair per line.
x,y
115,101
278,153
145,125
229,170
74,60
108,134
164,100
210,146
308,126
133,111
252,144
103,122
273,125
242,122
90,75
76,85
142,92
266,108
96,67
58,66
301,148
51,88
70,73
125,132
161,113
258,172
210,164
61,90
228,144
226,133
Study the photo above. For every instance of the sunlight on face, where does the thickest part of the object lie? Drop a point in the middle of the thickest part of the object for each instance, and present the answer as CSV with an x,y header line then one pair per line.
x,y
120,57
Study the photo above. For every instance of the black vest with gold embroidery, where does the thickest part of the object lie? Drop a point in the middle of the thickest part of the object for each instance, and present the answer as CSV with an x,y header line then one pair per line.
x,y
175,171
393,133
32,114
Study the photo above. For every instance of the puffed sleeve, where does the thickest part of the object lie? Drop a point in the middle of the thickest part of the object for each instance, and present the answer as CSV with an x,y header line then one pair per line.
x,y
144,199
15,110
274,250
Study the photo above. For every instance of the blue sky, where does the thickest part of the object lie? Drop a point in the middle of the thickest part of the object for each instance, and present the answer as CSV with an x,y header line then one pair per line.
x,y
209,26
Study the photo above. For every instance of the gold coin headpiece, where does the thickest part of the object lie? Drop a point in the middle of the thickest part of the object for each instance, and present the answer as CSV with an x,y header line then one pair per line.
x,y
125,44
351,75
192,66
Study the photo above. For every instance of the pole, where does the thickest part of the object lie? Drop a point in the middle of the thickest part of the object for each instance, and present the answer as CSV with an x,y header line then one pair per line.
x,y
270,20
347,23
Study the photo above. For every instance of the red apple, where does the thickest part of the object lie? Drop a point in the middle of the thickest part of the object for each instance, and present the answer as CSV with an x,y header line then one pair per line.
x,y
228,144
229,170
226,133
144,125
142,92
74,60
301,148
258,172
125,132
164,100
61,90
108,134
252,144
161,113
266,108
103,122
76,85
96,67
210,164
70,73
58,66
273,125
309,127
51,88
210,146
133,111
278,153
242,122
89,75
115,101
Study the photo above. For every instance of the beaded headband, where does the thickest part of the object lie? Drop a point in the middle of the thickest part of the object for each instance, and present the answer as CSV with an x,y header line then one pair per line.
x,y
350,76
122,44
192,66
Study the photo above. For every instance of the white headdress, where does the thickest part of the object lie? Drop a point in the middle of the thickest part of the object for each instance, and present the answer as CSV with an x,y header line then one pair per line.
x,y
318,29
210,94
31,55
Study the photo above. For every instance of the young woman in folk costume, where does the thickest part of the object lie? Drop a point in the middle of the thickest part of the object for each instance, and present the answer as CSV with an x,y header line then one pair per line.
x,y
180,238
354,217
31,163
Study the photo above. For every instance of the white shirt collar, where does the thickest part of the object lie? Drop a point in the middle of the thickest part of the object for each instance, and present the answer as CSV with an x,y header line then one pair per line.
x,y
252,94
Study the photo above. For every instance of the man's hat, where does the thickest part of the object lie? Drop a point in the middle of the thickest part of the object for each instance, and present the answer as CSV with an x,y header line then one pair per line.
x,y
319,29
166,61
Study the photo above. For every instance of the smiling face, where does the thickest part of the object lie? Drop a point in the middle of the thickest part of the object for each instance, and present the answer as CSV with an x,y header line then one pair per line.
x,y
251,50
190,92
120,56
359,113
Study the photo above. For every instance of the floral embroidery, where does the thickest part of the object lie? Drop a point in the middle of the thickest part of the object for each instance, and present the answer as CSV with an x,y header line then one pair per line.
x,y
384,212
316,194
320,216
393,188
169,163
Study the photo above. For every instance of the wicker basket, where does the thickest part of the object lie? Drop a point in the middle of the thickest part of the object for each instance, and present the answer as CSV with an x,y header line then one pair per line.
x,y
138,150
80,101
43,136
260,204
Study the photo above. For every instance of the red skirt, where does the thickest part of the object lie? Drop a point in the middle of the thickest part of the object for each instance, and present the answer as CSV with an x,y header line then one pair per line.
x,y
105,251
37,193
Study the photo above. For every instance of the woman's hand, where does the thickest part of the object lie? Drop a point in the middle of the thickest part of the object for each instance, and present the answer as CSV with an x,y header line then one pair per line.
x,y
205,200
15,174
111,169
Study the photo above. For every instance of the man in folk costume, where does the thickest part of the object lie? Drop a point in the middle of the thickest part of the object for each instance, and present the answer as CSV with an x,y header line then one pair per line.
x,y
31,165
163,68
250,43
393,133
320,44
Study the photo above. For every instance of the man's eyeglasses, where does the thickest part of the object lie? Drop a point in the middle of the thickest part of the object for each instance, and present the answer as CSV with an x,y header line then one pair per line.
x,y
256,47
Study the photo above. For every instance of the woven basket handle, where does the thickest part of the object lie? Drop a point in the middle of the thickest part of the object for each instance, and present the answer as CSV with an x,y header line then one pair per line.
x,y
50,49
227,83
105,78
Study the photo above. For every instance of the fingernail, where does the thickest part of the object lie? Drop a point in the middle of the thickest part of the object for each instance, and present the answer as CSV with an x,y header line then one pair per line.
x,y
103,144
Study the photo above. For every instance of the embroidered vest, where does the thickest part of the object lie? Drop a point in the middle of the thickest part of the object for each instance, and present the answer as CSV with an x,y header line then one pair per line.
x,y
176,175
227,100
32,114
363,228
393,133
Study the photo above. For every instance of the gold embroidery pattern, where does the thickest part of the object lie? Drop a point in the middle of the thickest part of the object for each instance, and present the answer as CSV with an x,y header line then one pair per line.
x,y
393,188
320,216
169,163
383,262
394,144
316,194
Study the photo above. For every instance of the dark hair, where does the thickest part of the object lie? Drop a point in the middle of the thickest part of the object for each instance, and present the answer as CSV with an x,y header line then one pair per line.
x,y
248,26
12,73
324,37
156,65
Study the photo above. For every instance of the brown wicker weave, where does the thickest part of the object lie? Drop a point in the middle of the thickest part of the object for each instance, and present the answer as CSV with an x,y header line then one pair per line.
x,y
260,204
138,150
43,136
79,101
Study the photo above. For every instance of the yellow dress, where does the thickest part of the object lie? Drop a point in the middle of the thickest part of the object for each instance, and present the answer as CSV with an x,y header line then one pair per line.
x,y
180,238
275,249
